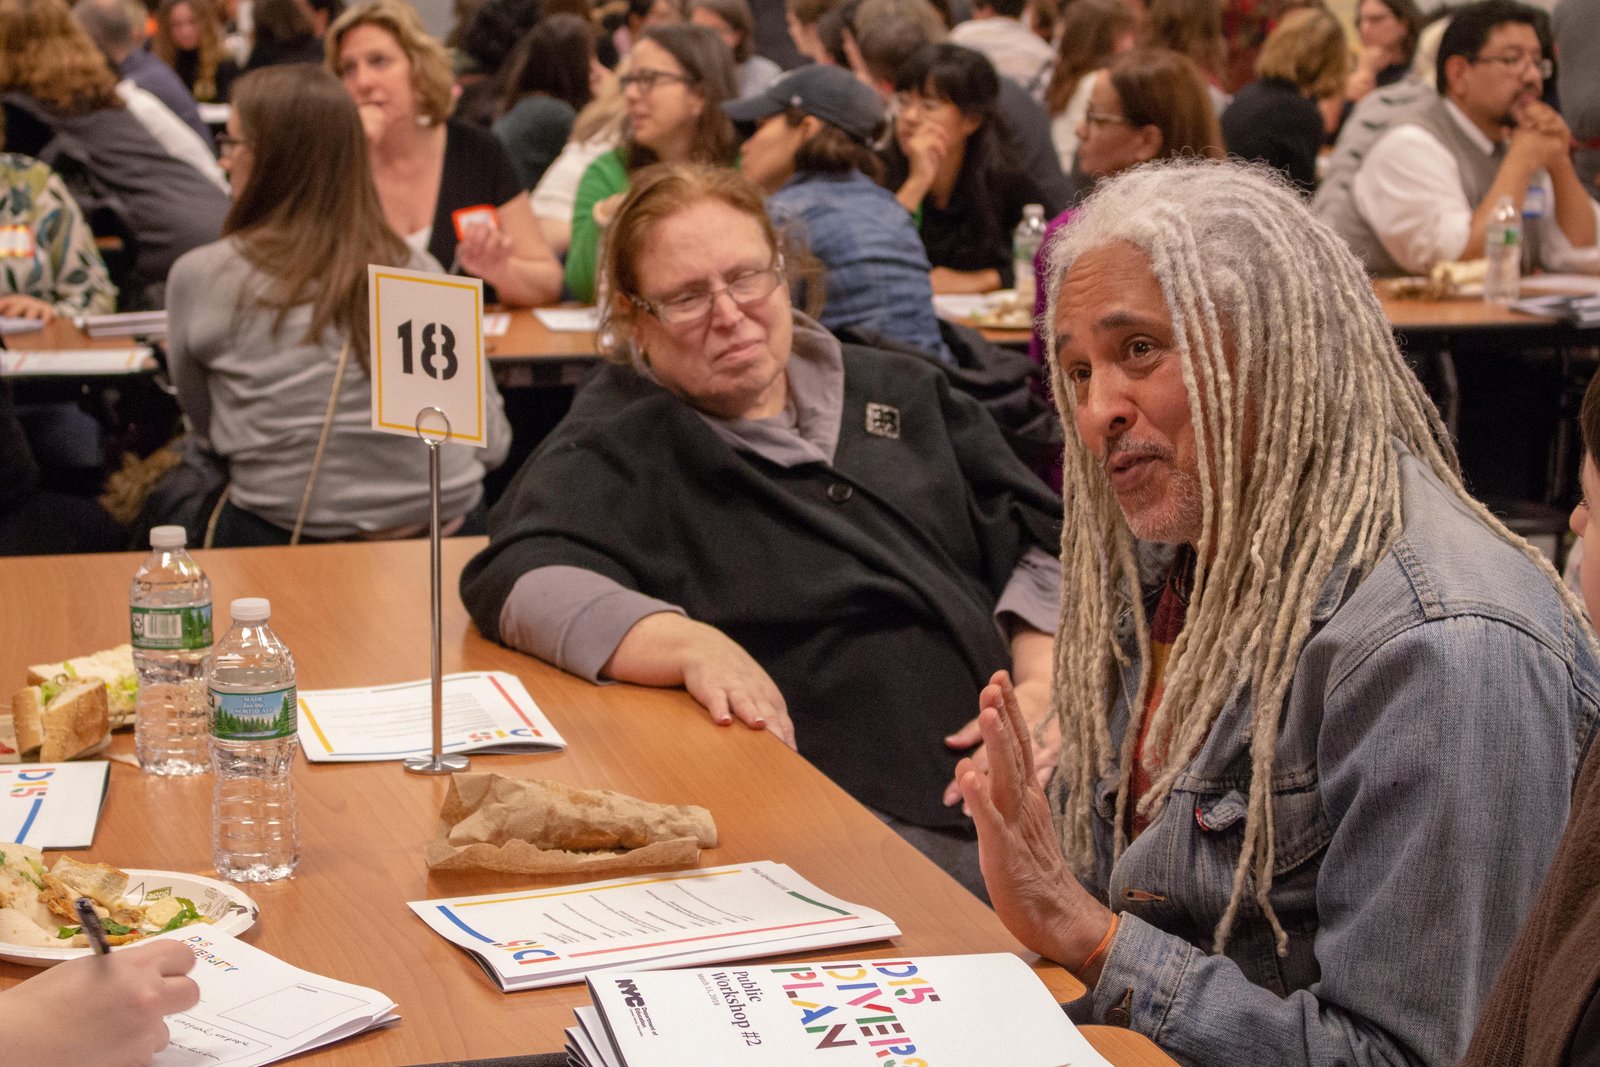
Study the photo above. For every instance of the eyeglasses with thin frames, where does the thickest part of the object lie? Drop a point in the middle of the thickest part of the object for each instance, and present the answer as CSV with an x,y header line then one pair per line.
x,y
1517,62
744,288
928,105
227,145
647,80
1100,118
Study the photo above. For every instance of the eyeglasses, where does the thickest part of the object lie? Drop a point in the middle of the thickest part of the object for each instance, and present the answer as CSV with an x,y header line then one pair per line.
x,y
1098,118
744,288
928,105
227,145
647,80
1516,62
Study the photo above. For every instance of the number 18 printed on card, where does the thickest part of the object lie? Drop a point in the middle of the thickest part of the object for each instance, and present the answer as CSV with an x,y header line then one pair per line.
x,y
427,352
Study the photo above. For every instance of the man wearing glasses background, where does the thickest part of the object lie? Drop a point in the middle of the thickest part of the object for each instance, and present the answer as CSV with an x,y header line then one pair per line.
x,y
1427,187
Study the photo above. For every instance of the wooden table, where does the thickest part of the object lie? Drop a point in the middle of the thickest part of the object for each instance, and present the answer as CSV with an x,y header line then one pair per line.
x,y
62,334
530,353
356,615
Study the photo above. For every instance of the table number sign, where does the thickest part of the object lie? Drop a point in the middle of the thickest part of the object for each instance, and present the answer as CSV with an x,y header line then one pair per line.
x,y
427,352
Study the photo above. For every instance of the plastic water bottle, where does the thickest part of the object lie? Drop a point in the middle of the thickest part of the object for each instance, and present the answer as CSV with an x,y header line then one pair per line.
x,y
1503,250
1532,212
254,713
169,611
1025,242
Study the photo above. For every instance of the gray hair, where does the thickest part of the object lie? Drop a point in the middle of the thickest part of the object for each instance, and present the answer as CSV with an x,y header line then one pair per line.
x,y
113,24
1280,334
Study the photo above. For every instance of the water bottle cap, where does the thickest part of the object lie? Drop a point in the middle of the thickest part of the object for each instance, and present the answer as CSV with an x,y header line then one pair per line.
x,y
168,537
251,609
1033,211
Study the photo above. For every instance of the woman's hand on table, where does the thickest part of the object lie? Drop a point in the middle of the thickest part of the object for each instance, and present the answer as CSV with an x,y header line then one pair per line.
x,y
104,1010
732,685
18,306
669,649
1032,889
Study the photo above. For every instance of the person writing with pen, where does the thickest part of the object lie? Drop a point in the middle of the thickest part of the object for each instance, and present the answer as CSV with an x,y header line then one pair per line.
x,y
103,1009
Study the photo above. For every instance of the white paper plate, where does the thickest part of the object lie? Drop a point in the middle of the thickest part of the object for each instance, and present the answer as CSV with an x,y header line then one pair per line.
x,y
229,910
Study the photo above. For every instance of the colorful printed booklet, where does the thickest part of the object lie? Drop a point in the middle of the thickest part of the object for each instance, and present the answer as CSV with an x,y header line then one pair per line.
x,y
987,1008
52,805
256,1009
484,711
550,936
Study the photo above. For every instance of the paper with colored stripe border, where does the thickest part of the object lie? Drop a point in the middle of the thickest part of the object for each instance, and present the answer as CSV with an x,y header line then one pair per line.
x,y
484,711
52,805
553,935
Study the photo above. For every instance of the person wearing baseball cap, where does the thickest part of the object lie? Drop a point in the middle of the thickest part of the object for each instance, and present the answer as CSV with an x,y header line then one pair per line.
x,y
808,145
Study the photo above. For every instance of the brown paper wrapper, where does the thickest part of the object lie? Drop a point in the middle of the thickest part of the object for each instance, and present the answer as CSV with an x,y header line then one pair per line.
x,y
522,825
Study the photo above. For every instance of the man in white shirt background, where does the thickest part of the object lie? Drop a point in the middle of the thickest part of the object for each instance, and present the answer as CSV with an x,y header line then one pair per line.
x,y
998,31
1425,191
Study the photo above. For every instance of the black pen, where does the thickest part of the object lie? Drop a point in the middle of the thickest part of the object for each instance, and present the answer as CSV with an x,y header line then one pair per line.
x,y
89,919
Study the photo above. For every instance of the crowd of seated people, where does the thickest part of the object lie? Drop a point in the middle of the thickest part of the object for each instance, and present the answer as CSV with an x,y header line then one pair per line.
x,y
1206,705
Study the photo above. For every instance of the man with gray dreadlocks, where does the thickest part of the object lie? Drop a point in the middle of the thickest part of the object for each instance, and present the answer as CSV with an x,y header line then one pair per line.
x,y
1320,712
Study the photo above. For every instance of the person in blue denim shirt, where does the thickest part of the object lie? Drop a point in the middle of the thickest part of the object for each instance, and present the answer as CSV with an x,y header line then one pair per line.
x,y
807,145
1318,713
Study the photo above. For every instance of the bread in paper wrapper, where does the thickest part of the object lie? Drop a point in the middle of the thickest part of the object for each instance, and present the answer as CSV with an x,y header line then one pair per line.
x,y
492,822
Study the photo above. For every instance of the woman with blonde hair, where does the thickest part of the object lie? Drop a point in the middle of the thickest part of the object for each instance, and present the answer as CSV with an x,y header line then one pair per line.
x,y
189,39
1278,119
269,344
427,167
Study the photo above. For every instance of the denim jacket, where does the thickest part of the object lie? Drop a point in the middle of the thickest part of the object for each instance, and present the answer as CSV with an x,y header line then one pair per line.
x,y
877,269
1425,761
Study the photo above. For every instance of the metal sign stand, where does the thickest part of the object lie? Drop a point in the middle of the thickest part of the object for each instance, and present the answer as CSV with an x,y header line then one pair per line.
x,y
438,762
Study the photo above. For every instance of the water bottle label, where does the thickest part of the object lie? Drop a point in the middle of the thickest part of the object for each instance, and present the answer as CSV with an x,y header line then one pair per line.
x,y
171,629
254,716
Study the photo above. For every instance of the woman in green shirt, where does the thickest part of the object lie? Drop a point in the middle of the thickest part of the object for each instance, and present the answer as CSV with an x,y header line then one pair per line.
x,y
678,77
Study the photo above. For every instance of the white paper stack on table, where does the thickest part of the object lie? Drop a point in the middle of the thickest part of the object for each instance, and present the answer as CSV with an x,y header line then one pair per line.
x,y
75,361
255,1008
484,711
549,936
126,324
935,1009
52,805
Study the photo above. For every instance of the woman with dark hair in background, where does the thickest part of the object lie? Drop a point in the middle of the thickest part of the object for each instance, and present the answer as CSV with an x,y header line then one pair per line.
x,y
950,165
1092,31
283,34
1193,28
551,79
188,39
732,21
1388,31
1278,119
269,330
678,78
810,151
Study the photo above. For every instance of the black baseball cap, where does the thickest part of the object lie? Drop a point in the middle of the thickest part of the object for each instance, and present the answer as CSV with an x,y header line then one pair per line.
x,y
832,94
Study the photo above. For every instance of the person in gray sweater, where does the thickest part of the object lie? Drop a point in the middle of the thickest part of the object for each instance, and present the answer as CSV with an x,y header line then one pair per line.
x,y
257,322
